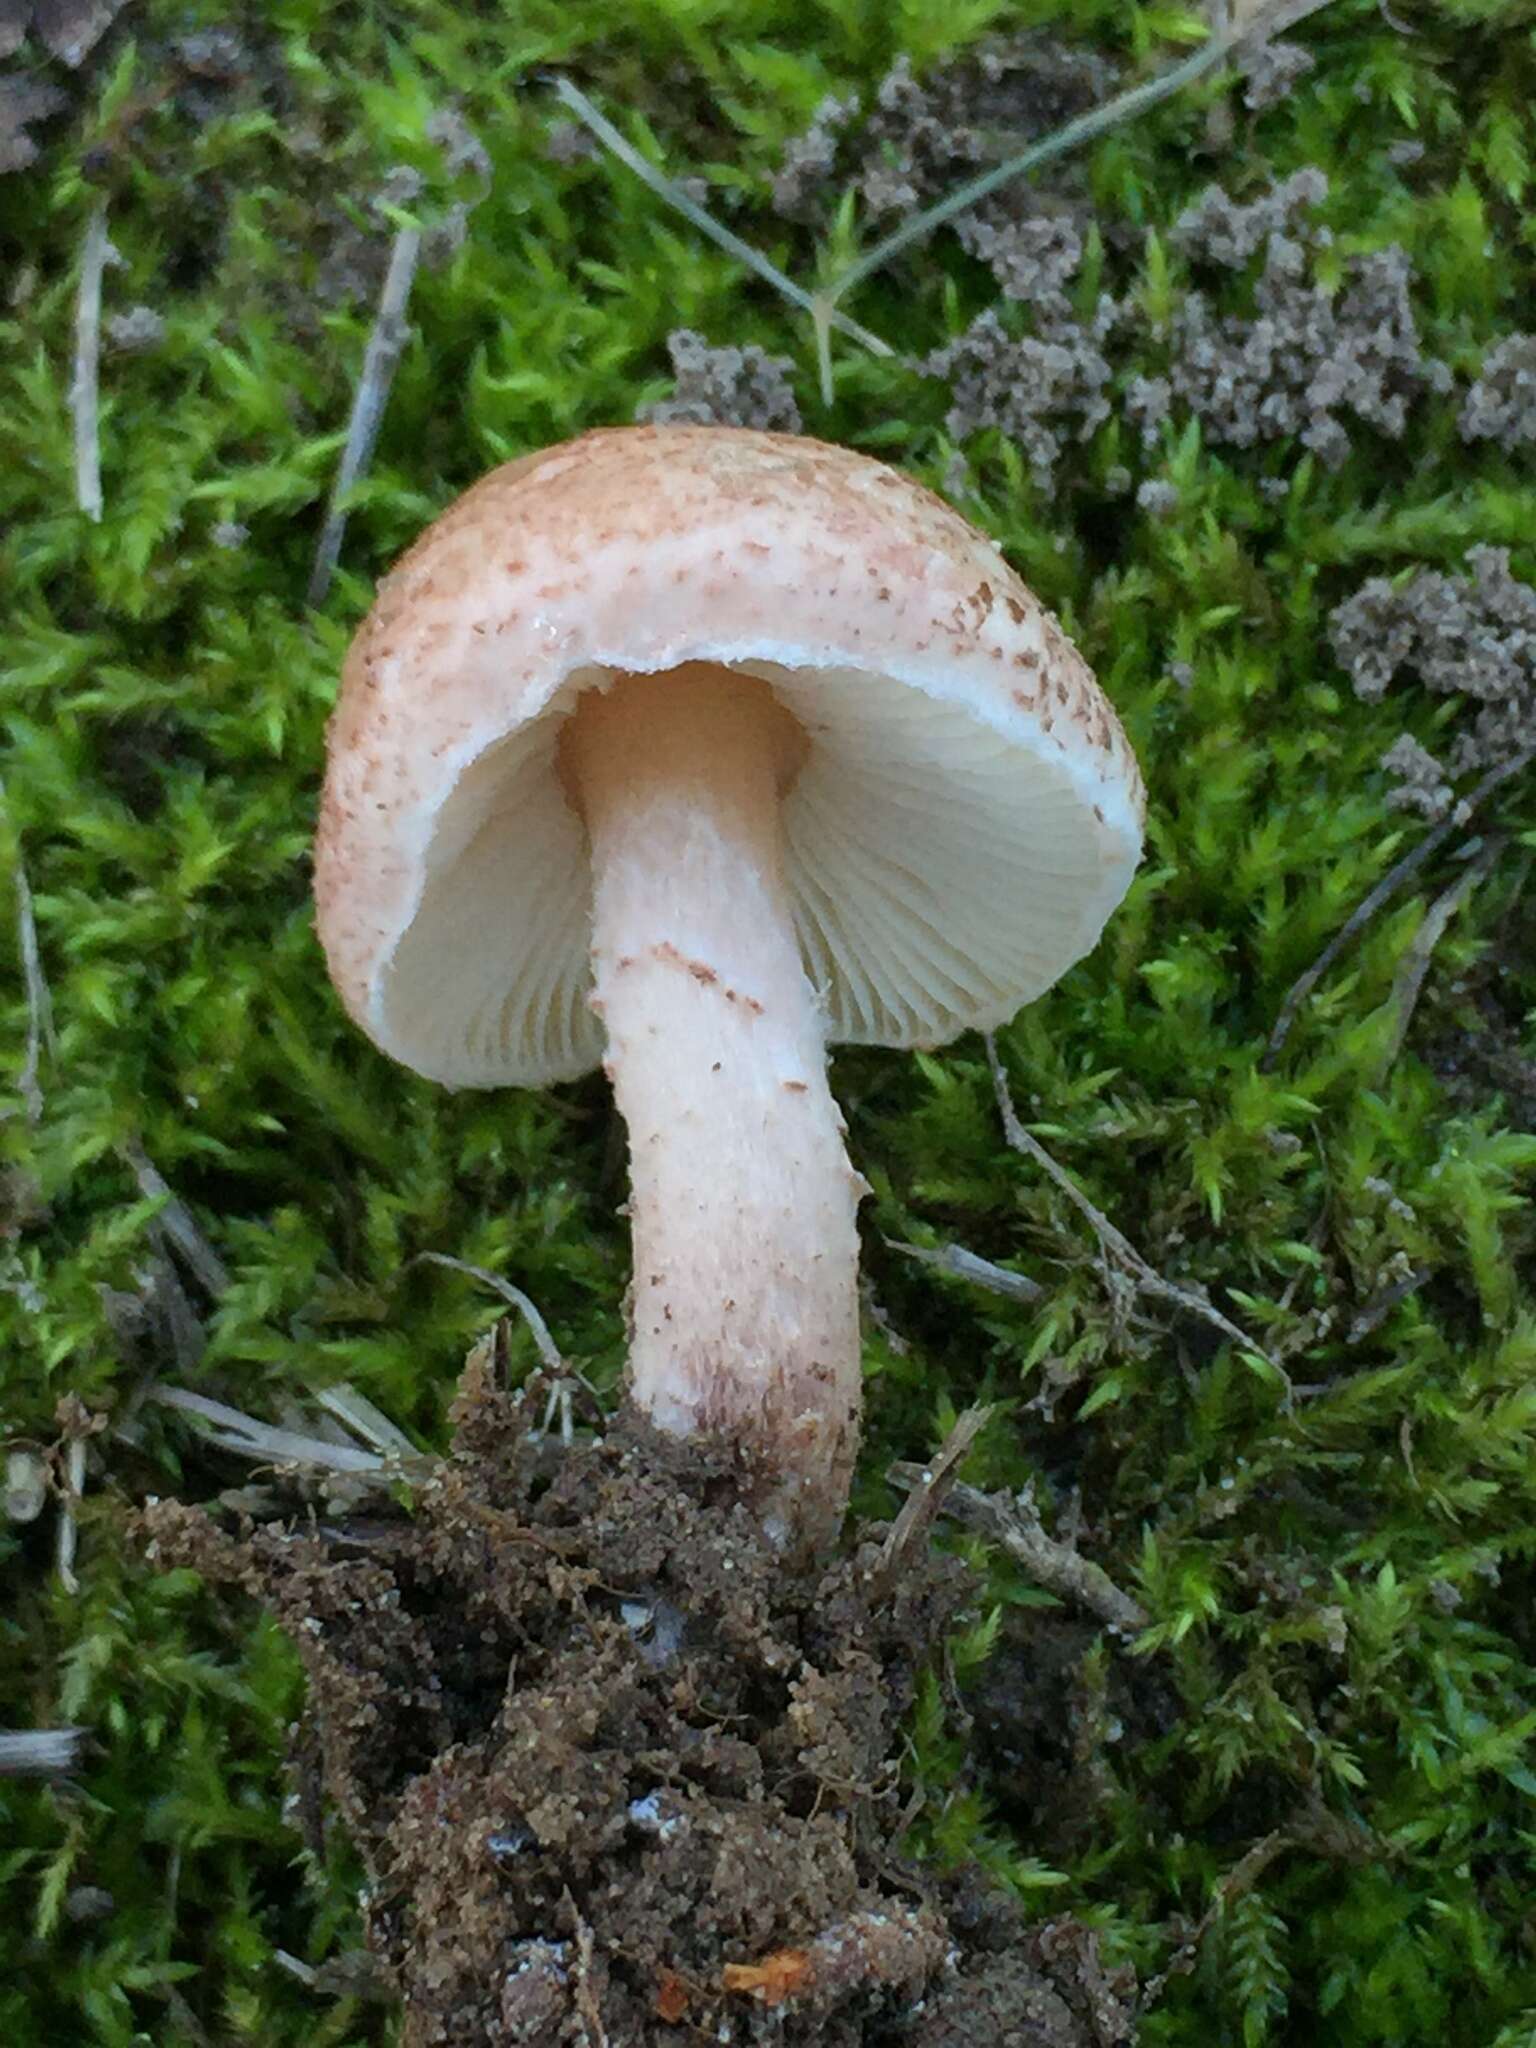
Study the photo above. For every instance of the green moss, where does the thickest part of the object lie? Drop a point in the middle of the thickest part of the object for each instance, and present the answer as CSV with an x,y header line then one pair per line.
x,y
1339,1583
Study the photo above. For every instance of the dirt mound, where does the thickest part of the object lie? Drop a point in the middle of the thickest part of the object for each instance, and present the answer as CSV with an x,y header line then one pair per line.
x,y
620,1776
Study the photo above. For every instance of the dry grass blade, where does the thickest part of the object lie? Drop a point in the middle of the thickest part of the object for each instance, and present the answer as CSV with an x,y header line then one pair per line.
x,y
1384,891
365,1421
40,1036
575,99
175,1219
961,1264
386,341
538,1329
1413,968
84,386
260,1441
70,1491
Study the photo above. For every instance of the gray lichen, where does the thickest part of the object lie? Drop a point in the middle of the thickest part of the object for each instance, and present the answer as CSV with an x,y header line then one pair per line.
x,y
1308,356
805,175
727,387
1042,389
24,101
1421,783
1472,636
1501,405
1032,259
136,330
1158,498
920,136
1222,230
1271,71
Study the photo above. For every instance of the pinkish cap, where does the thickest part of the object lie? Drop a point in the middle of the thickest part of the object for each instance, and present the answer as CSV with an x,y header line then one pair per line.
x,y
967,816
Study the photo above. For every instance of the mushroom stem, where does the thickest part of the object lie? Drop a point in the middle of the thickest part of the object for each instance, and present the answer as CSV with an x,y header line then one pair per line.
x,y
744,1303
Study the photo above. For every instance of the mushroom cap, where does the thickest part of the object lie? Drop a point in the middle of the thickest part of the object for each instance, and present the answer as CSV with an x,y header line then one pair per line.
x,y
967,815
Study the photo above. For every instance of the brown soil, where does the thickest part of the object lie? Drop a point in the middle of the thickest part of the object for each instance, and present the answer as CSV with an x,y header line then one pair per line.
x,y
621,1777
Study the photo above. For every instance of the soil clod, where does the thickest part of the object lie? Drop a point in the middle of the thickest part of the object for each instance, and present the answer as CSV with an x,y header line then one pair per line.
x,y
620,1773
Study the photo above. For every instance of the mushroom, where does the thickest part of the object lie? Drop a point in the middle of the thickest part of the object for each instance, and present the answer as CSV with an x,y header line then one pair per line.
x,y
688,750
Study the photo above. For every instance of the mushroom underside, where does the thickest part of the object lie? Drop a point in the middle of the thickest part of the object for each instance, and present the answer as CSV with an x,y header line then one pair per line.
x,y
945,864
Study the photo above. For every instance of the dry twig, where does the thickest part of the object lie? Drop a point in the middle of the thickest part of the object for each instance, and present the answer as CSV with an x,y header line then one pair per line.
x,y
1146,1278
355,1973
1014,1525
1313,1828
1384,891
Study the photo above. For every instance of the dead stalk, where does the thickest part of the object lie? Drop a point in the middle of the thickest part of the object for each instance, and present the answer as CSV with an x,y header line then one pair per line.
x,y
40,1752
69,1529
1014,1525
84,387
40,1035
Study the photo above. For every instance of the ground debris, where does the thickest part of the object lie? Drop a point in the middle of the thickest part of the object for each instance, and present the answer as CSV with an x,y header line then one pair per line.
x,y
613,1766
1015,1526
